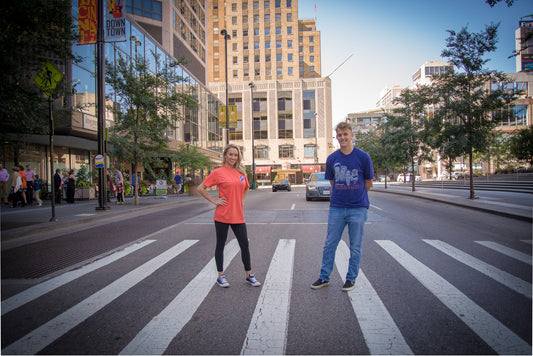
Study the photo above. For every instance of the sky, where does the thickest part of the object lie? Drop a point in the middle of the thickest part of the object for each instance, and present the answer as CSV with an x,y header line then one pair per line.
x,y
390,40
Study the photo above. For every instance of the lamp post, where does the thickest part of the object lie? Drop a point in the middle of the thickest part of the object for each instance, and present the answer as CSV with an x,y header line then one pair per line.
x,y
226,38
316,141
252,86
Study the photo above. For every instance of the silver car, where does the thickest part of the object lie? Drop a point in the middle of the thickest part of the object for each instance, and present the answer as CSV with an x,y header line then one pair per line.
x,y
317,187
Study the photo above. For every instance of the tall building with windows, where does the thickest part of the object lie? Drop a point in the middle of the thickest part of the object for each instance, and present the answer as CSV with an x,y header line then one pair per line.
x,y
289,101
524,45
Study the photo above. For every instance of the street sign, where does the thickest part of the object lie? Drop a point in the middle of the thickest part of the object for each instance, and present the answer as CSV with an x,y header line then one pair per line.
x,y
99,161
48,78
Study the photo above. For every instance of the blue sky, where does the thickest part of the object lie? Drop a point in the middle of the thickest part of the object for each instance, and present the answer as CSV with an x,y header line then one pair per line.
x,y
390,40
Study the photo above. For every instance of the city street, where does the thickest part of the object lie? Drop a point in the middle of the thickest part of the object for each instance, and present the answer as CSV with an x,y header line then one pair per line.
x,y
435,279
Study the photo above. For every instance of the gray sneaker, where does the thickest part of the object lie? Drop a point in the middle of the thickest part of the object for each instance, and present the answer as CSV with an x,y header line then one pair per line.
x,y
222,282
253,282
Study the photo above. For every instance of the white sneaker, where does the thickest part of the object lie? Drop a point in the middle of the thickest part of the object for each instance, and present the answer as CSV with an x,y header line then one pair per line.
x,y
222,282
251,279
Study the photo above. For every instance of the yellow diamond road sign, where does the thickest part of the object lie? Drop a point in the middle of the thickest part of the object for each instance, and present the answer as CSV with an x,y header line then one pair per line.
x,y
48,78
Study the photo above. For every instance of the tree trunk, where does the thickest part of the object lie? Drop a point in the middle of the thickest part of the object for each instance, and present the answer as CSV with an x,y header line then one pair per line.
x,y
135,190
413,173
471,166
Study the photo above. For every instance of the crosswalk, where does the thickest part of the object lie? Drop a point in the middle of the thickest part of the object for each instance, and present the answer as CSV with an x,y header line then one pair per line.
x,y
267,332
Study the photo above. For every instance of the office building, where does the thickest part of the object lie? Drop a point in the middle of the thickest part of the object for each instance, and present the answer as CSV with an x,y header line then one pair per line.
x,y
268,45
524,45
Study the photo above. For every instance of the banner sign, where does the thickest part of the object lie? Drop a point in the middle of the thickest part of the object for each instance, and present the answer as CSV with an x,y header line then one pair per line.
x,y
232,116
87,21
222,115
115,21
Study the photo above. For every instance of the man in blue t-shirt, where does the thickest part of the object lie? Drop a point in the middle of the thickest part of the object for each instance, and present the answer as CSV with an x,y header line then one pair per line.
x,y
177,182
350,173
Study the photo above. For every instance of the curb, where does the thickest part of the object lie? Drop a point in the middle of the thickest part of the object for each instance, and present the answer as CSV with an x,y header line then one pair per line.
x,y
471,207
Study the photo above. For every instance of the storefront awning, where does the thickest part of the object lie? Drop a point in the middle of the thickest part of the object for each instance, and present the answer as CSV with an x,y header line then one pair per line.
x,y
262,169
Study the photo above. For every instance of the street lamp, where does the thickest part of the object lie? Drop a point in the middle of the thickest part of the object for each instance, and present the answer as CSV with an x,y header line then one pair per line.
x,y
316,141
226,38
252,86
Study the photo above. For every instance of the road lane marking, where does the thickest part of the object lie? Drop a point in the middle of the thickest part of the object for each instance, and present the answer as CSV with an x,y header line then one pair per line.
x,y
375,207
267,334
382,335
155,337
488,328
498,275
293,206
517,255
47,333
37,291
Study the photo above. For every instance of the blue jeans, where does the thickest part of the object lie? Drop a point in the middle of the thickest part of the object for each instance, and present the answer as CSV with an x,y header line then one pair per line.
x,y
337,220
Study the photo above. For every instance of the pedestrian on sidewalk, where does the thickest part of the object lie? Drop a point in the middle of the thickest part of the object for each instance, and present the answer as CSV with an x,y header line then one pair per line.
x,y
71,187
232,189
350,173
119,182
22,175
37,190
64,184
16,187
4,178
177,182
30,177
57,186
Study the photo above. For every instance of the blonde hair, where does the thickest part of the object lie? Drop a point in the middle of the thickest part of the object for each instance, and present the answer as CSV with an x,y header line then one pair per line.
x,y
238,165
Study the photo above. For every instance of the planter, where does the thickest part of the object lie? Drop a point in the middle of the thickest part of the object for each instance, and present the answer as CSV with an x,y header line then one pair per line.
x,y
85,193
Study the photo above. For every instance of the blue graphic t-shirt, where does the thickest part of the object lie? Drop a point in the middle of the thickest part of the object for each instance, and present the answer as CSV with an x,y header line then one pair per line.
x,y
349,173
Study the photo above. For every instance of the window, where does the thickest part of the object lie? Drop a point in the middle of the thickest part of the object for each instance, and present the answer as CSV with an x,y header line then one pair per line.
x,y
301,58
267,18
267,31
256,18
267,4
289,16
300,39
256,5
267,58
234,20
278,30
235,73
289,3
278,57
245,33
309,151
311,58
300,49
290,71
245,45
279,71
245,6
311,49
286,151
261,152
289,57
234,6
289,30
285,126
257,58
245,59
256,45
233,33
311,39
278,3
289,43
234,47
257,72
278,44
235,60
278,17
309,113
148,8
256,31
267,44
312,68
245,19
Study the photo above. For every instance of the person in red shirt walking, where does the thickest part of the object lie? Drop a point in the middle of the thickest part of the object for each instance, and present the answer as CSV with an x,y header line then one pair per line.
x,y
232,189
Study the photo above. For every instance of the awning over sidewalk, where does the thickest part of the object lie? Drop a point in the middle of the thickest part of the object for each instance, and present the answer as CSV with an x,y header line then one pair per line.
x,y
262,169
308,169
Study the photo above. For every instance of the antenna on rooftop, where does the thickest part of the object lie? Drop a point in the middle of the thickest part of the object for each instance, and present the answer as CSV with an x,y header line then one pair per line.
x,y
350,56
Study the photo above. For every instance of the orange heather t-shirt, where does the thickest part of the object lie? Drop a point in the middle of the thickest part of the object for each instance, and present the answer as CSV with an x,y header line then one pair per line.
x,y
231,186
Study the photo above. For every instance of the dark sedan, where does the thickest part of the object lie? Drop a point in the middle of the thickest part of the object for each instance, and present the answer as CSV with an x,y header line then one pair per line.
x,y
317,187
281,184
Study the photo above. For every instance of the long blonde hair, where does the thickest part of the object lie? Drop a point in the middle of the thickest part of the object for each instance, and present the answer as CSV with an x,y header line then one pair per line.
x,y
238,165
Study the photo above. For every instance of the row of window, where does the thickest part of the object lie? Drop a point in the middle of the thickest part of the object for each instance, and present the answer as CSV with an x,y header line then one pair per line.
x,y
285,151
268,71
266,18
268,58
256,5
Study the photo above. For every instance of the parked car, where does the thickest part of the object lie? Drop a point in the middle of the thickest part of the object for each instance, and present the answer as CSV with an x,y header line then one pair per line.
x,y
281,184
408,178
381,178
317,187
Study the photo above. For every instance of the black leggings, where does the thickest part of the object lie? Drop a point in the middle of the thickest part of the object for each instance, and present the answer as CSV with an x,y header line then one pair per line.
x,y
242,237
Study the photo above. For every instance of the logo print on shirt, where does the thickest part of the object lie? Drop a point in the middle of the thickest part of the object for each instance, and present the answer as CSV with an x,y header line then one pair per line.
x,y
241,178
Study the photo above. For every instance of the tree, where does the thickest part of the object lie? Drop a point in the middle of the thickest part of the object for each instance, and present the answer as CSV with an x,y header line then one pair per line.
x,y
147,103
404,130
31,33
522,145
466,99
381,153
190,158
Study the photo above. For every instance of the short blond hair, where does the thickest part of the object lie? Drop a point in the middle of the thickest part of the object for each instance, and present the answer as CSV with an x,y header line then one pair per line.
x,y
343,125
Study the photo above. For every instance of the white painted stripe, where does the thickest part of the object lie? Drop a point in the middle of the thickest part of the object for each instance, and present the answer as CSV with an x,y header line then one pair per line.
x,y
36,291
382,335
293,206
517,255
375,207
155,337
267,334
498,275
494,333
55,328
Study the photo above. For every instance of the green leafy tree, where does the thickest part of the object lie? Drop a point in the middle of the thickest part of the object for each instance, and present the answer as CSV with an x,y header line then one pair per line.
x,y
191,159
404,130
521,145
382,155
466,100
146,105
32,32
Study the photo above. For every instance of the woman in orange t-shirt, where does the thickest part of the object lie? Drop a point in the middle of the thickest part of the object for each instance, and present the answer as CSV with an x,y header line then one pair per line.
x,y
232,189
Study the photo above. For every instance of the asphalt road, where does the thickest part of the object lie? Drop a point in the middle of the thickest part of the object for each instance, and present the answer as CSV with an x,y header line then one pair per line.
x,y
435,279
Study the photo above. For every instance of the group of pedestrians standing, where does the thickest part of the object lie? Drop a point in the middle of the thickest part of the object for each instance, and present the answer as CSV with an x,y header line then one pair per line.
x,y
24,186
348,207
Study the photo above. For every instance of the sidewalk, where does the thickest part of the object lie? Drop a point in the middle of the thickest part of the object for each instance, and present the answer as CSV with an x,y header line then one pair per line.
x,y
31,219
509,209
